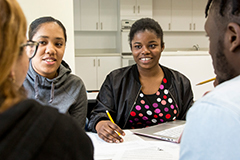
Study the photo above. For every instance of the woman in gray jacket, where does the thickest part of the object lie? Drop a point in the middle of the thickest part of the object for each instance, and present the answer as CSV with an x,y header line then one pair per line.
x,y
49,79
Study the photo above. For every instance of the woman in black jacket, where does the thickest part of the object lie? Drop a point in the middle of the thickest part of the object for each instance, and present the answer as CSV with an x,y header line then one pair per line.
x,y
143,94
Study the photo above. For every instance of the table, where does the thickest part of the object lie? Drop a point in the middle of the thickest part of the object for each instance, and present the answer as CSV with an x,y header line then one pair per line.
x,y
134,147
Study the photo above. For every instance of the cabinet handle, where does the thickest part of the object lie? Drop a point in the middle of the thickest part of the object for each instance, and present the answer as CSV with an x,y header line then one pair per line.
x,y
101,26
133,9
94,63
98,62
194,26
138,9
190,26
169,26
97,25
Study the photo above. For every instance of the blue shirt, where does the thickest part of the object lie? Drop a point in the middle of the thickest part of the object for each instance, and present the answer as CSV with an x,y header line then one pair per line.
x,y
212,130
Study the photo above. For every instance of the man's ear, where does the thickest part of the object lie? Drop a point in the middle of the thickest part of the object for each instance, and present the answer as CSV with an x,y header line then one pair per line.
x,y
233,33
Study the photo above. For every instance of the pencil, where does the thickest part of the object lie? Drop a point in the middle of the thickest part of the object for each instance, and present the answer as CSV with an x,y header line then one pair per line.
x,y
110,117
209,80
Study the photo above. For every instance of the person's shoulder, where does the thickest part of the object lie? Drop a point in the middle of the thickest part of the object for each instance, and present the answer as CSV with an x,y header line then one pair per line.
x,y
121,71
28,104
176,74
217,101
65,131
224,95
66,126
74,78
63,123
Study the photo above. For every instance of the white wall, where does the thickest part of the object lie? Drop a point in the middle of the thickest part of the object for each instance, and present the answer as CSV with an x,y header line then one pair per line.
x,y
59,9
183,40
197,66
95,40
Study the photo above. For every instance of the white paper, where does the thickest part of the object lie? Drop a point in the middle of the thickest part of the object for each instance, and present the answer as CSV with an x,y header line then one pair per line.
x,y
157,150
105,150
133,148
148,153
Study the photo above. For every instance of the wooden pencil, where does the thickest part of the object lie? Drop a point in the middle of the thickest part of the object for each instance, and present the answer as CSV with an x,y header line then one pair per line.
x,y
209,80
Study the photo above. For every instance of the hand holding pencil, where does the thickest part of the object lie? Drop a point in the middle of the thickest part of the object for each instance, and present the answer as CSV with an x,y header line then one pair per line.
x,y
110,117
109,131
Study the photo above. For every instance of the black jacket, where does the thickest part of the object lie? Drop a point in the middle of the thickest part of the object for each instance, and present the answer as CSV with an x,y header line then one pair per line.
x,y
30,131
120,90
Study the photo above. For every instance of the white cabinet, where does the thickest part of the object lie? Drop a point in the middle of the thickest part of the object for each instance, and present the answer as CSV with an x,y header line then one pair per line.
x,y
181,15
135,9
162,13
184,15
198,14
95,15
93,70
188,15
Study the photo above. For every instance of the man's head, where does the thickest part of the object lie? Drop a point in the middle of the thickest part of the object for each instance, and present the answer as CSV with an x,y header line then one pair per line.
x,y
222,28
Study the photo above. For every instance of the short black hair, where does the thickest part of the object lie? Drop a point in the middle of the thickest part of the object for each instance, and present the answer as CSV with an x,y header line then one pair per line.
x,y
235,6
146,24
35,25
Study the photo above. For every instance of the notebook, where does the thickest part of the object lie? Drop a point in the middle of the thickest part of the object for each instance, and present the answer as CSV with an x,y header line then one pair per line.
x,y
168,131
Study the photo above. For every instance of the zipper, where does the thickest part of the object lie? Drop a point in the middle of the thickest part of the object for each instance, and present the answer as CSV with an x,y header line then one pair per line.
x,y
132,106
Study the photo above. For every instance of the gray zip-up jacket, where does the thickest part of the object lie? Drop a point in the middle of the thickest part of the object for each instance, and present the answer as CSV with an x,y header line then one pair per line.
x,y
66,92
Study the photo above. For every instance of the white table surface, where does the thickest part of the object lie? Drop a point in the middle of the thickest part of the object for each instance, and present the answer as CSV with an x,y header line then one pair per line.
x,y
134,148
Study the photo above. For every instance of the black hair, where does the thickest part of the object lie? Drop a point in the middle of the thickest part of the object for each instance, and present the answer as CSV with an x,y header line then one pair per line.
x,y
35,25
223,5
146,24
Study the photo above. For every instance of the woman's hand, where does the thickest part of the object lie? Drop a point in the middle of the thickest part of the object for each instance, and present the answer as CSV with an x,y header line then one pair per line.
x,y
108,131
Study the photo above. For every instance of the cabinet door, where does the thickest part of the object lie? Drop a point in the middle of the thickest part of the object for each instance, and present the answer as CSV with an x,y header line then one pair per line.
x,y
181,15
89,15
127,8
144,8
105,66
86,69
76,9
162,13
108,15
198,14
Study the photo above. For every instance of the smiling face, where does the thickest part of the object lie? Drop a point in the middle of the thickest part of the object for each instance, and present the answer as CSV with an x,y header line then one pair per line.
x,y
146,49
50,51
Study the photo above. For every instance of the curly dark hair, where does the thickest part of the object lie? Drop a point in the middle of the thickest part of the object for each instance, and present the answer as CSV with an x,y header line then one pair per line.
x,y
146,24
223,6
